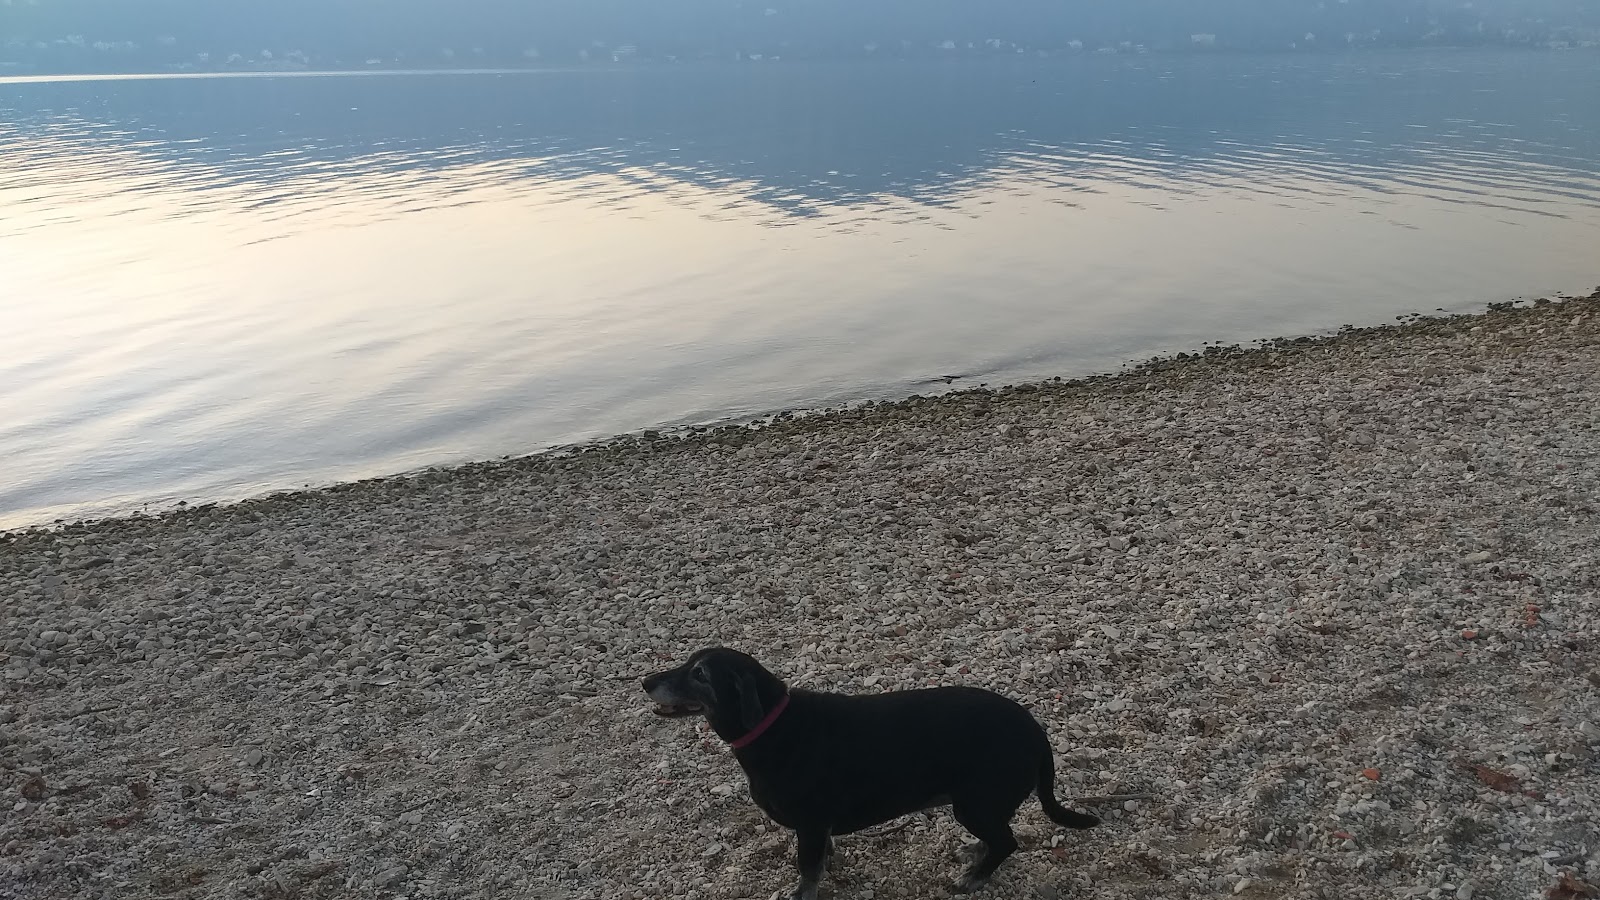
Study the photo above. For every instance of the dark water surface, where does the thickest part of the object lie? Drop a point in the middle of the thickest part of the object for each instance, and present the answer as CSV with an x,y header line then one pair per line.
x,y
213,287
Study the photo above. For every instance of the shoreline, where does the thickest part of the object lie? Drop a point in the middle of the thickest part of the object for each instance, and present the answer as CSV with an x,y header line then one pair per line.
x,y
1327,610
663,437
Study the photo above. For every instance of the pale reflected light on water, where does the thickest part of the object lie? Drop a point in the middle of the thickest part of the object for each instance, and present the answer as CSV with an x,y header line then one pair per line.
x,y
214,288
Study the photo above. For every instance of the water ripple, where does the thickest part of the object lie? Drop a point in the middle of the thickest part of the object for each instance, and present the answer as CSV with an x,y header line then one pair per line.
x,y
217,287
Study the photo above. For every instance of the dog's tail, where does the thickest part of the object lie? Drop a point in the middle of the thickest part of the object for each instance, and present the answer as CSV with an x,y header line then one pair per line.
x,y
1046,789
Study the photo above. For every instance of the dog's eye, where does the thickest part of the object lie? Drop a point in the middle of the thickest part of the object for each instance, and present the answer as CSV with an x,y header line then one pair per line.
x,y
699,674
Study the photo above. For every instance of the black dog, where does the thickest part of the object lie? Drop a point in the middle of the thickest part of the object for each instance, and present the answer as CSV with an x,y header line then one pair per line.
x,y
827,764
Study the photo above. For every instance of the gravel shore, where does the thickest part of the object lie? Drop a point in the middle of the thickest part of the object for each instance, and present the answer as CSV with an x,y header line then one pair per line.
x,y
1320,619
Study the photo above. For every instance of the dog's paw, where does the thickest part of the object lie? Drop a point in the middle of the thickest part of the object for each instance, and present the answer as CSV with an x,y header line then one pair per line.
x,y
804,892
971,852
968,883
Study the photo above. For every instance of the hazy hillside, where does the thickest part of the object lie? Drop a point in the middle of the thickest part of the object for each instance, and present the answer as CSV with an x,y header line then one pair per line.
x,y
132,35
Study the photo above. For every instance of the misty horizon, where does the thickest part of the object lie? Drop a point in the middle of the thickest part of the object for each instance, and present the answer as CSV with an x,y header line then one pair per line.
x,y
60,36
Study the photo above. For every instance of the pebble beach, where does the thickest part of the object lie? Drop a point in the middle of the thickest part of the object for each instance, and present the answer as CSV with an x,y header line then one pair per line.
x,y
1315,619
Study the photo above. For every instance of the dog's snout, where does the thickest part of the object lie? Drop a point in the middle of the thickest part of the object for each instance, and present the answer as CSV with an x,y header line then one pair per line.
x,y
651,682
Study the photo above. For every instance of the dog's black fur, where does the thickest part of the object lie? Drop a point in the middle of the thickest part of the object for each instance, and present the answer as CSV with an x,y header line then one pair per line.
x,y
833,764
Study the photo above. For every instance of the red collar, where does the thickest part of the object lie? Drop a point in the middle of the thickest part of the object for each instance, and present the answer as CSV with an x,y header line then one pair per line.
x,y
761,728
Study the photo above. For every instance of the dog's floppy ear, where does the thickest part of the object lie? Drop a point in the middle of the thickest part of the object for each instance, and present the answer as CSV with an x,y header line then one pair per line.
x,y
750,711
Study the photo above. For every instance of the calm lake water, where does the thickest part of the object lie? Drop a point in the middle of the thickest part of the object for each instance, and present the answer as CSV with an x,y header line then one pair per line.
x,y
214,287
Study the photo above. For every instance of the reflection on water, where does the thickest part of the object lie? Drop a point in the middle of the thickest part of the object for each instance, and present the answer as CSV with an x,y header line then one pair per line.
x,y
213,287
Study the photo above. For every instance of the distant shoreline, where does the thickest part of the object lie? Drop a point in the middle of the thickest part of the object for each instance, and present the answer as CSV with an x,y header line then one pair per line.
x,y
11,74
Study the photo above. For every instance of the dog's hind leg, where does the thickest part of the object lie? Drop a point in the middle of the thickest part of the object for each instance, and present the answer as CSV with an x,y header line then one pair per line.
x,y
990,824
810,857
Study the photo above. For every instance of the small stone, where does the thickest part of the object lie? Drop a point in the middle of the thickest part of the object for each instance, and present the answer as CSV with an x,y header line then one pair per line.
x,y
1118,542
1482,556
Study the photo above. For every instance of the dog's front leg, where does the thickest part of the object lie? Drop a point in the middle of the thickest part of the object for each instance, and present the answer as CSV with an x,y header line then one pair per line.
x,y
810,857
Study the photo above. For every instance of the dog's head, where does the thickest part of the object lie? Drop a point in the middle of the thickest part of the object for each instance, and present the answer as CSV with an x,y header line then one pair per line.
x,y
730,689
